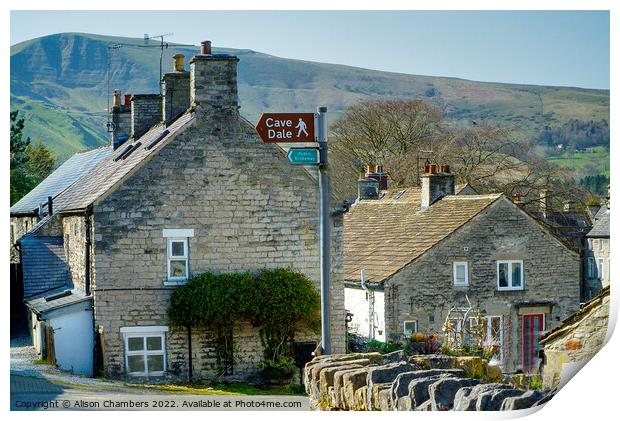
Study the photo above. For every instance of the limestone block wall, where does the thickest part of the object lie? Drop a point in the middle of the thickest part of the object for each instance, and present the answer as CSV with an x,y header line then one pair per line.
x,y
74,236
424,291
145,113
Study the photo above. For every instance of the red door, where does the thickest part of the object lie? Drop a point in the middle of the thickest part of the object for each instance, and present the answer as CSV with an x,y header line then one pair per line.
x,y
533,325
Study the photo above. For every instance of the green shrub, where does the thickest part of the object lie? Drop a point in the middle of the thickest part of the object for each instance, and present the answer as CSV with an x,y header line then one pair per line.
x,y
280,369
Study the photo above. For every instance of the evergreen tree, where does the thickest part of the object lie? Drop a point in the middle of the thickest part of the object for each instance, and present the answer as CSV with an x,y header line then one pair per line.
x,y
29,164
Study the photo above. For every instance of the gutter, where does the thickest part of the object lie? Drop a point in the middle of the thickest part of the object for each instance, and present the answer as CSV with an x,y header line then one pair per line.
x,y
87,247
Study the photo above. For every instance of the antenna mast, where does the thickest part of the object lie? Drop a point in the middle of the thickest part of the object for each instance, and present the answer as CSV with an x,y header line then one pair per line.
x,y
111,48
162,44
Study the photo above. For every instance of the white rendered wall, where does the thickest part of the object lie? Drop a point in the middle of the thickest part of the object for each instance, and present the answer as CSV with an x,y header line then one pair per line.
x,y
73,341
356,302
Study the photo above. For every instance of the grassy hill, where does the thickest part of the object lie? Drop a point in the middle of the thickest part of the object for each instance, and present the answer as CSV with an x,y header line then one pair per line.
x,y
58,83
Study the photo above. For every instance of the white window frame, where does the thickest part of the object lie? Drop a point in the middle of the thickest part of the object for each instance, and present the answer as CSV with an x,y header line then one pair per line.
x,y
500,341
455,280
415,322
591,267
177,279
510,287
144,332
601,268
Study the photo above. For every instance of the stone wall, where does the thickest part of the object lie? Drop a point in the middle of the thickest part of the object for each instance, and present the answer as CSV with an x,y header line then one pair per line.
x,y
74,237
249,209
424,290
396,382
20,225
121,120
577,340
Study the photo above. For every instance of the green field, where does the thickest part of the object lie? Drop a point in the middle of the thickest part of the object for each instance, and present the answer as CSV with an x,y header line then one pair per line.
x,y
585,163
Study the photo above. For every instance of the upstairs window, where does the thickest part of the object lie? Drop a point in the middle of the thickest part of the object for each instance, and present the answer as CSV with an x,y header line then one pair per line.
x,y
601,265
509,275
460,273
177,254
178,259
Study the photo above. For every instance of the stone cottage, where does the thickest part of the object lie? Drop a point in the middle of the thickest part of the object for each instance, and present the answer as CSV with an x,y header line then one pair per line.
x,y
189,188
427,254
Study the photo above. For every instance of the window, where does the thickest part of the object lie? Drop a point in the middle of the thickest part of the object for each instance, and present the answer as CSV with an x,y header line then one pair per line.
x,y
591,267
178,260
600,244
410,326
145,350
494,336
509,274
460,273
177,254
601,264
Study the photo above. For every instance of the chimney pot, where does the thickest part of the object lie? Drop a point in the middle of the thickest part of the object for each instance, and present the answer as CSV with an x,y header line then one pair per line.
x,y
117,98
205,48
432,169
127,99
177,62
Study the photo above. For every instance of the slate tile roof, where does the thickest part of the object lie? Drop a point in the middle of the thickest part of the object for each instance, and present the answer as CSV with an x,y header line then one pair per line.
x,y
601,223
65,175
101,178
44,264
382,236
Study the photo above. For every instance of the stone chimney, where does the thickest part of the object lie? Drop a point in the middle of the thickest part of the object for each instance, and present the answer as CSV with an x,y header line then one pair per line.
x,y
120,120
435,185
175,99
376,172
545,203
213,83
145,113
367,188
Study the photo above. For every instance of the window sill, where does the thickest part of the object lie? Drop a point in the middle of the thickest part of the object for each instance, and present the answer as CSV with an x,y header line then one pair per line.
x,y
175,283
509,289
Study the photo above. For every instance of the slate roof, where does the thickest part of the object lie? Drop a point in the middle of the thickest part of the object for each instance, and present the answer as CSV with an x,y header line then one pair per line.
x,y
601,224
104,176
382,236
63,177
44,264
43,305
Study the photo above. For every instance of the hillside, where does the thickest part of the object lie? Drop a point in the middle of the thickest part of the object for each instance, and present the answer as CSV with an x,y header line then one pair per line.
x,y
59,84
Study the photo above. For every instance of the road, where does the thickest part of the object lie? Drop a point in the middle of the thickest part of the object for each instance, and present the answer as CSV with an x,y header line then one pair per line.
x,y
36,393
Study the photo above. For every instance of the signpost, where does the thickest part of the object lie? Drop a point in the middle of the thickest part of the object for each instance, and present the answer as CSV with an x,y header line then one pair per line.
x,y
308,127
287,127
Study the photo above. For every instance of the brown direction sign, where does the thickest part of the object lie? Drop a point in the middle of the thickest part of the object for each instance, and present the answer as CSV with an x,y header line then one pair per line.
x,y
287,127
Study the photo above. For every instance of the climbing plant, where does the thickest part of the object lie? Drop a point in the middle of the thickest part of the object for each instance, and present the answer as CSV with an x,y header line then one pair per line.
x,y
278,301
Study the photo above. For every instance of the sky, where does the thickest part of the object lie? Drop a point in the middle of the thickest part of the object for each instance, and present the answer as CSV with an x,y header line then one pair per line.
x,y
560,48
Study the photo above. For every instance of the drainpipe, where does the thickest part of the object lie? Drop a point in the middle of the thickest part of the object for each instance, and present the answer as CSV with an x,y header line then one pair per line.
x,y
87,246
371,327
189,345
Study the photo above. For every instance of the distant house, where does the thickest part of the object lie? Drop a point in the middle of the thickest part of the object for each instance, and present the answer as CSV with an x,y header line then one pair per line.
x,y
412,257
188,188
597,254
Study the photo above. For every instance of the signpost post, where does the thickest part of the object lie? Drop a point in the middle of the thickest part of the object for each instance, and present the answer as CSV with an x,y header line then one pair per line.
x,y
308,127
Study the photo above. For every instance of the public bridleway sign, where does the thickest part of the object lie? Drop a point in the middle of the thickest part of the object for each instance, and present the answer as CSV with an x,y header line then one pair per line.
x,y
287,127
303,156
